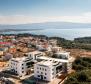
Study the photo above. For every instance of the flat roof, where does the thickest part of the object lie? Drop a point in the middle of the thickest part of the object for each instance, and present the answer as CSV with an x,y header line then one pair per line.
x,y
56,47
63,53
19,59
53,59
46,63
34,52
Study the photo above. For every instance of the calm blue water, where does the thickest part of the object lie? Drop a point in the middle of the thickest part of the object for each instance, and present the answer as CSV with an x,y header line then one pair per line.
x,y
65,33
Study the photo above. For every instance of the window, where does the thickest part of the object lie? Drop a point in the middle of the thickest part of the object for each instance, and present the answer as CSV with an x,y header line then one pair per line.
x,y
22,64
22,67
52,73
37,68
37,71
41,72
22,71
38,75
45,73
45,69
40,68
44,77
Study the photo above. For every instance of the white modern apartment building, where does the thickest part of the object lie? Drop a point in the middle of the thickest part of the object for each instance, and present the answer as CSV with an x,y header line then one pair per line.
x,y
44,47
47,70
20,66
56,49
35,54
62,57
65,56
53,42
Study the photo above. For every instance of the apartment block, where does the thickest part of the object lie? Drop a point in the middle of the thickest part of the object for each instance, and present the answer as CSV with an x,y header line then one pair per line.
x,y
20,66
47,70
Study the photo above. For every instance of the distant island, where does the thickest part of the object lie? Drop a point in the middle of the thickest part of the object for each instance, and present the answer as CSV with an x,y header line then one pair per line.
x,y
46,25
9,30
66,30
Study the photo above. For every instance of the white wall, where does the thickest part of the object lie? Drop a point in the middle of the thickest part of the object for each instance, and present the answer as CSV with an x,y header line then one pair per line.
x,y
17,66
48,72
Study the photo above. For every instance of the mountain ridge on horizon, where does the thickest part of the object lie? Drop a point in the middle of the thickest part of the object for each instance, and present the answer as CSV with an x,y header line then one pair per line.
x,y
44,25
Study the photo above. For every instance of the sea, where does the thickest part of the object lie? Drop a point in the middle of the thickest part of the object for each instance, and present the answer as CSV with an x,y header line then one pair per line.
x,y
69,33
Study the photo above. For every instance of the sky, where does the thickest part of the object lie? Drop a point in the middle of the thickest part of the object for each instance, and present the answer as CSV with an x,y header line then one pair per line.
x,y
38,11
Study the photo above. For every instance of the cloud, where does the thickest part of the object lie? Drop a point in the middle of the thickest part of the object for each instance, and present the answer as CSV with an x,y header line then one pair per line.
x,y
22,19
16,19
87,14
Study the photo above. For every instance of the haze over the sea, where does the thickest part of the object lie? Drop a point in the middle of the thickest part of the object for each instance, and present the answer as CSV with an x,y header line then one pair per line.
x,y
64,18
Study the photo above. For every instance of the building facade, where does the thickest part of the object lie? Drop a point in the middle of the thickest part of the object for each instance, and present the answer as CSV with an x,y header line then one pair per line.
x,y
20,66
47,70
34,55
